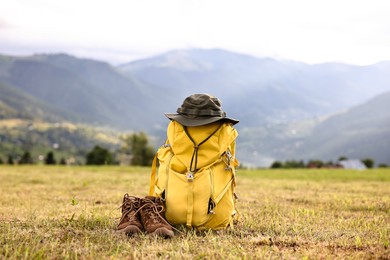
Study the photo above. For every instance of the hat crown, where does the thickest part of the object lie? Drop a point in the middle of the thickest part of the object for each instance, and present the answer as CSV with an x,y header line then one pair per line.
x,y
201,105
200,109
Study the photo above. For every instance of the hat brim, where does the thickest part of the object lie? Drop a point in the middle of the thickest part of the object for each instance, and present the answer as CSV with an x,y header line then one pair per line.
x,y
186,121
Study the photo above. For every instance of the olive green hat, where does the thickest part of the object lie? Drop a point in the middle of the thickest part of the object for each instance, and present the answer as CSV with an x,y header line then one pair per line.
x,y
200,109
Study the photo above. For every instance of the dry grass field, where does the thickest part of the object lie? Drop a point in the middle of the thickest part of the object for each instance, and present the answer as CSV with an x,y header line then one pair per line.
x,y
71,213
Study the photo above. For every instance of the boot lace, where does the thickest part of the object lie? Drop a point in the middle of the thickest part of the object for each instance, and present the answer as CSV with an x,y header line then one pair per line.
x,y
130,204
154,210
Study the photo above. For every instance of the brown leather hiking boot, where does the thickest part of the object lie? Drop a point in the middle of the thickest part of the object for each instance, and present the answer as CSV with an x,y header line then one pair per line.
x,y
130,223
153,217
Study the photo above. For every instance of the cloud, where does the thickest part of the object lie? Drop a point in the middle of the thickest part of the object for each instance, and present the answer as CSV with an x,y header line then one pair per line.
x,y
306,30
3,24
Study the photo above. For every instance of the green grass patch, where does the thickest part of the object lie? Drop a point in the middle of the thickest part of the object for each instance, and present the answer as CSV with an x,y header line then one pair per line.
x,y
71,212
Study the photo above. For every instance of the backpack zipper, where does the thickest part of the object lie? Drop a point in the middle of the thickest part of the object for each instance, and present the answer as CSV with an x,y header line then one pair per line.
x,y
211,201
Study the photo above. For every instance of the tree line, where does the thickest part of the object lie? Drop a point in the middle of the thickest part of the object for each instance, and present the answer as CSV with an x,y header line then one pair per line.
x,y
135,150
291,164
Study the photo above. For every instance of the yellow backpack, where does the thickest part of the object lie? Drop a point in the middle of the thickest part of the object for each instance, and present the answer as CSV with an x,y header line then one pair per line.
x,y
196,175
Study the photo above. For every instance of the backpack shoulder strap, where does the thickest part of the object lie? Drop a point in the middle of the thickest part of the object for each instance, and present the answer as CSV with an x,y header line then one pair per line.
x,y
153,176
154,170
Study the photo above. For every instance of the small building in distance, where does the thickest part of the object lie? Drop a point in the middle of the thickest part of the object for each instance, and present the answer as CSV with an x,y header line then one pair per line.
x,y
352,164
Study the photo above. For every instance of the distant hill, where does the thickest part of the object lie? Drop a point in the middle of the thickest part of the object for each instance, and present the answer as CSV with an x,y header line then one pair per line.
x,y
15,103
362,131
68,141
94,91
262,90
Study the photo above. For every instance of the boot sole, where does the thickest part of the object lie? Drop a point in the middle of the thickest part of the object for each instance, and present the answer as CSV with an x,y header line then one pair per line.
x,y
164,232
130,230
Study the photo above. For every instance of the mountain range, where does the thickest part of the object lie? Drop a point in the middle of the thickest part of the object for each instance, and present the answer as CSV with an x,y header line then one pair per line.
x,y
84,90
281,104
262,90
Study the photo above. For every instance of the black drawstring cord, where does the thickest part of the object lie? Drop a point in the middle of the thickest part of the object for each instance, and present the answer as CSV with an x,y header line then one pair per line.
x,y
194,158
194,155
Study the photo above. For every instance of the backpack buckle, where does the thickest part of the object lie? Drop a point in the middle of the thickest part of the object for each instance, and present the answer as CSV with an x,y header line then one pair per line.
x,y
229,158
190,176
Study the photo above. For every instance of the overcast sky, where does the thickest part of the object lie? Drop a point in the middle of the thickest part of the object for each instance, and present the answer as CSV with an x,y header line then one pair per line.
x,y
118,31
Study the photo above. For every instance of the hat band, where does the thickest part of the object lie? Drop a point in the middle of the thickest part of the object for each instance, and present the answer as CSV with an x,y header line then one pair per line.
x,y
197,112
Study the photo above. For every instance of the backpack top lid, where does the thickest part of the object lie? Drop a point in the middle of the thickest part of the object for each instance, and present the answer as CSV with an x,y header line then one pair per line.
x,y
200,109
208,152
